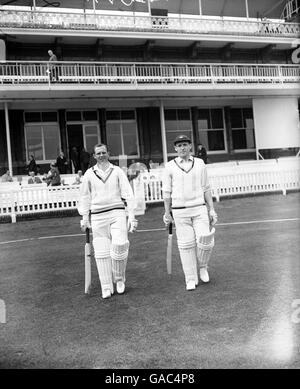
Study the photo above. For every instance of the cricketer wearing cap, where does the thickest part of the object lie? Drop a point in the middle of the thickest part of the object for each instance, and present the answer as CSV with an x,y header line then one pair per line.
x,y
188,201
102,193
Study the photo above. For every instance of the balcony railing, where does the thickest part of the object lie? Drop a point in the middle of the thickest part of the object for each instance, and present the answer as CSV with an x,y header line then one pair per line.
x,y
144,73
172,24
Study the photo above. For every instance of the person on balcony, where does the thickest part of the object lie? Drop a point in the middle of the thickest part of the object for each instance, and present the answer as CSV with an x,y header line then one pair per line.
x,y
103,192
53,176
62,163
201,153
52,66
33,179
188,201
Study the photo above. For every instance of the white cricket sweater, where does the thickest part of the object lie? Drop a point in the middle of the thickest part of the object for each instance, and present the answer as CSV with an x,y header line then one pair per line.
x,y
101,192
187,188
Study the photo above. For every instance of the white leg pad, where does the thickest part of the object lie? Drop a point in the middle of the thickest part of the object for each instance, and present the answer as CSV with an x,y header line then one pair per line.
x,y
205,246
188,258
104,263
105,273
119,270
119,254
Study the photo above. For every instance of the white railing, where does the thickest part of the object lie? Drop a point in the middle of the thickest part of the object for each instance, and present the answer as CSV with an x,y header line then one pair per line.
x,y
37,199
29,72
236,179
226,180
135,22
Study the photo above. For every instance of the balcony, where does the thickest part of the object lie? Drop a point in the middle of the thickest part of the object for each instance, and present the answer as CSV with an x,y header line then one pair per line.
x,y
173,24
143,74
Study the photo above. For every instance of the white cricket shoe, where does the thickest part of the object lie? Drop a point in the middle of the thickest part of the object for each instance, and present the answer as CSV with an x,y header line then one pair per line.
x,y
120,287
204,274
106,293
191,285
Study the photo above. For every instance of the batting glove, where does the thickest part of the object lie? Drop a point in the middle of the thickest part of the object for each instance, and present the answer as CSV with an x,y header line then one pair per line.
x,y
213,217
167,218
85,223
132,224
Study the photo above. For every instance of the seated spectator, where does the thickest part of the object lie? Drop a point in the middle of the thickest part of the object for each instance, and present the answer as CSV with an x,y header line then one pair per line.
x,y
53,176
151,164
33,179
78,178
7,177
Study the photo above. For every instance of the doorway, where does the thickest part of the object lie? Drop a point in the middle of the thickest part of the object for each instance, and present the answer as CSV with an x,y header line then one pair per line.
x,y
75,144
81,135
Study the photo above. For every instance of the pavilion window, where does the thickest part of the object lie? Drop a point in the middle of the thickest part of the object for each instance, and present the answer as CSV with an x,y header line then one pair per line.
x,y
212,129
122,134
42,137
42,141
177,122
242,125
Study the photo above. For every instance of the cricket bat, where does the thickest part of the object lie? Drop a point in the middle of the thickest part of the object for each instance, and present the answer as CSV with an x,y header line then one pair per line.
x,y
169,249
87,262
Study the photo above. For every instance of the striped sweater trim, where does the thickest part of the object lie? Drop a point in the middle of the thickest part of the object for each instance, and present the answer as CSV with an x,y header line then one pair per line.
x,y
107,209
181,168
103,179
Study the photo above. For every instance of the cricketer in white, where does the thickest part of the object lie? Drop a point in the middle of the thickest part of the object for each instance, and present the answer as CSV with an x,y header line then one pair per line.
x,y
188,202
103,191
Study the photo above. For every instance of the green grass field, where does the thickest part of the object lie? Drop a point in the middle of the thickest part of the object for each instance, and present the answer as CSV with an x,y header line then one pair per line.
x,y
248,316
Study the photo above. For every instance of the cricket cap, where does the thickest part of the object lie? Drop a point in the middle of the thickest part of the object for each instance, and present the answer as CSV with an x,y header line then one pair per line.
x,y
182,138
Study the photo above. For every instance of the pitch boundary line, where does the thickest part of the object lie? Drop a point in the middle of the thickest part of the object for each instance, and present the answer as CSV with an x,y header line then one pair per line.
x,y
152,230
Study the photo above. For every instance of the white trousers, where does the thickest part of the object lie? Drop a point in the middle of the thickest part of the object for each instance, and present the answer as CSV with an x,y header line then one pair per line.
x,y
111,245
191,225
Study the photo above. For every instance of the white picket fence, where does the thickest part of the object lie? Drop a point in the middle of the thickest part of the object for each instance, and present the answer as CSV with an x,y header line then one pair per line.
x,y
22,201
227,179
232,178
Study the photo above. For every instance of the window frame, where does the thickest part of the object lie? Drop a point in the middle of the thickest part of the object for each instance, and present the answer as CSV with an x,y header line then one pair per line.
x,y
40,125
121,121
174,154
214,152
246,150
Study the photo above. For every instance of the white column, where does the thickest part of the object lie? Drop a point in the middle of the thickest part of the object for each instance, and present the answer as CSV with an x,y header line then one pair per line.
x,y
163,133
200,7
247,9
9,159
2,50
149,7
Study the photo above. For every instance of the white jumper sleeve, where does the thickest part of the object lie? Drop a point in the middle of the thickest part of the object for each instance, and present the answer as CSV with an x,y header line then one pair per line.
x,y
84,203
